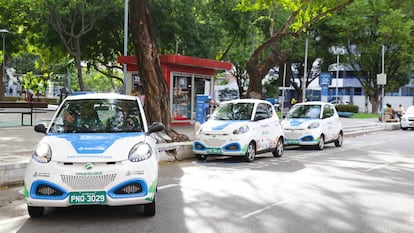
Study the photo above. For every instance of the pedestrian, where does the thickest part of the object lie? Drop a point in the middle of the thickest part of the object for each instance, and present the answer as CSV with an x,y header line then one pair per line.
x,y
390,113
292,101
400,111
212,105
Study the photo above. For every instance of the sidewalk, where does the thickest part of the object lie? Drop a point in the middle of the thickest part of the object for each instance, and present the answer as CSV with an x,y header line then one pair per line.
x,y
18,142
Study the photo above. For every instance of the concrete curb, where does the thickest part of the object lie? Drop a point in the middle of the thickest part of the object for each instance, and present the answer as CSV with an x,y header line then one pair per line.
x,y
13,173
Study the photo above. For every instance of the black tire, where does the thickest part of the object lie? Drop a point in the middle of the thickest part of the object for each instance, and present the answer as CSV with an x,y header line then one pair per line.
x,y
201,157
35,212
149,209
250,153
280,148
321,143
340,140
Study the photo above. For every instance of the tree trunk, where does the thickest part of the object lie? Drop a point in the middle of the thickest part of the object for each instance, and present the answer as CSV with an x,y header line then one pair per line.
x,y
255,85
155,87
79,68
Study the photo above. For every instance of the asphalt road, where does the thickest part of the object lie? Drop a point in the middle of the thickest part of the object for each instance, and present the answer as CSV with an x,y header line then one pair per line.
x,y
364,186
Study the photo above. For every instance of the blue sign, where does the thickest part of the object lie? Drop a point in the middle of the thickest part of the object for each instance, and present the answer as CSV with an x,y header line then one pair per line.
x,y
324,90
201,108
325,79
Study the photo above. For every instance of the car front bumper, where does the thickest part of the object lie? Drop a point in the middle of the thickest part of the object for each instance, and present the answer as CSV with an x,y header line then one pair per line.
x,y
301,137
227,145
118,183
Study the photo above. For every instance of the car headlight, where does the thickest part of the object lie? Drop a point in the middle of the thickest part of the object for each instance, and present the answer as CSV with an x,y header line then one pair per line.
x,y
43,153
314,125
140,152
242,129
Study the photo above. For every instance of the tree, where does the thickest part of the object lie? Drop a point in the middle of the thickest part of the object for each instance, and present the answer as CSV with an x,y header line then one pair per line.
x,y
272,51
37,84
153,81
72,20
363,28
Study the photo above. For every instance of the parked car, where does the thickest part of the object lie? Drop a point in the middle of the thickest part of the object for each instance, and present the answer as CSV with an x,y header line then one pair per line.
x,y
312,123
97,150
339,101
242,128
407,119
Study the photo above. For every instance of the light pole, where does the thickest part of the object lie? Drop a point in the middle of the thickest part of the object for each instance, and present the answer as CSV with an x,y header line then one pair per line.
x,y
305,70
3,33
337,50
125,42
337,77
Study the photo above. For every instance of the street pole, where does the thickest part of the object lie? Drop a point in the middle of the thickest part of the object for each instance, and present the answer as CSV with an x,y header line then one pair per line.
x,y
382,86
305,70
337,77
125,43
3,33
283,90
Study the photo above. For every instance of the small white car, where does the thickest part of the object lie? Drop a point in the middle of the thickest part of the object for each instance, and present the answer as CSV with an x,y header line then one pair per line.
x,y
97,150
312,123
407,119
243,128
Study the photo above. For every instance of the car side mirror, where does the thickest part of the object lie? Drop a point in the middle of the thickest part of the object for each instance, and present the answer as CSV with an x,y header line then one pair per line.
x,y
156,127
40,128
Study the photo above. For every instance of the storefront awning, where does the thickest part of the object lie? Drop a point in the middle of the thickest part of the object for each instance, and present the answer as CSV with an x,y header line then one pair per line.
x,y
182,61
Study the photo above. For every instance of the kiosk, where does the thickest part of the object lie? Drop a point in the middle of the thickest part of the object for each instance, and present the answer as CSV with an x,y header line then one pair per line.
x,y
186,78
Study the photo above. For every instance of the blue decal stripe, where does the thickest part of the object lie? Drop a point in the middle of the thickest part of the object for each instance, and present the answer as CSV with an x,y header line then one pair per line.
x,y
93,143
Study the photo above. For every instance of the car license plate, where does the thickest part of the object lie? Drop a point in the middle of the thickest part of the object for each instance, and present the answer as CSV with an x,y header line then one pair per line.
x,y
214,151
87,198
292,141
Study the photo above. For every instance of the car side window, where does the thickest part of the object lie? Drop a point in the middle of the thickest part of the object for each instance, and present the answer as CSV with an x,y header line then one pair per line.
x,y
327,112
262,112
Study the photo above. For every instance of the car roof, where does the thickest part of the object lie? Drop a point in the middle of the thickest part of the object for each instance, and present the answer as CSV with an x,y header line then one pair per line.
x,y
101,96
246,101
314,103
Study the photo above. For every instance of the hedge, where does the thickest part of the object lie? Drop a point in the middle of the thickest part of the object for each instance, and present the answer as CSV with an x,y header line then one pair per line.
x,y
347,108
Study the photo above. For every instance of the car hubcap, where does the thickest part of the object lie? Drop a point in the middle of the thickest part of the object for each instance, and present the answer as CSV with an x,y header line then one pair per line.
x,y
251,152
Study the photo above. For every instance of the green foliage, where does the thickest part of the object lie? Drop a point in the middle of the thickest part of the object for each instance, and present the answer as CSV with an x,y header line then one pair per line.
x,y
271,89
347,108
369,25
38,84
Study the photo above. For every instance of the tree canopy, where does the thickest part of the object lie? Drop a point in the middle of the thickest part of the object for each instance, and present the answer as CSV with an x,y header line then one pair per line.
x,y
57,36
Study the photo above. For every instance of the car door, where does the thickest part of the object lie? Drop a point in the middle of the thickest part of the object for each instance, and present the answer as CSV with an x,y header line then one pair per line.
x,y
329,122
266,125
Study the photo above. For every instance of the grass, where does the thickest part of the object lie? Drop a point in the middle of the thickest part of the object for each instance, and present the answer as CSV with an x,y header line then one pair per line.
x,y
361,115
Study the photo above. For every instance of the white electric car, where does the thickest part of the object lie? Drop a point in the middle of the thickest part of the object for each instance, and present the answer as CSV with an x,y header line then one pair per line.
x,y
312,124
97,150
242,128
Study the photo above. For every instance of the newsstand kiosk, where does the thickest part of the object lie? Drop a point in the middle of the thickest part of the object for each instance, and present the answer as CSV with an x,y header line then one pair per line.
x,y
186,77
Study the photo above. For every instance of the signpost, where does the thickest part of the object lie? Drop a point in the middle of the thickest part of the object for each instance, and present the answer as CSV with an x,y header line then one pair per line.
x,y
325,79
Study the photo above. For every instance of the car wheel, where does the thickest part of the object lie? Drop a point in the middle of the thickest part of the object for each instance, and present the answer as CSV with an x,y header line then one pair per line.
x,y
250,153
403,128
201,157
340,140
278,152
35,212
321,143
149,209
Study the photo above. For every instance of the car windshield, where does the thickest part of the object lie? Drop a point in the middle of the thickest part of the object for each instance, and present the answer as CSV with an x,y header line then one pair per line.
x,y
305,111
233,111
410,110
97,116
